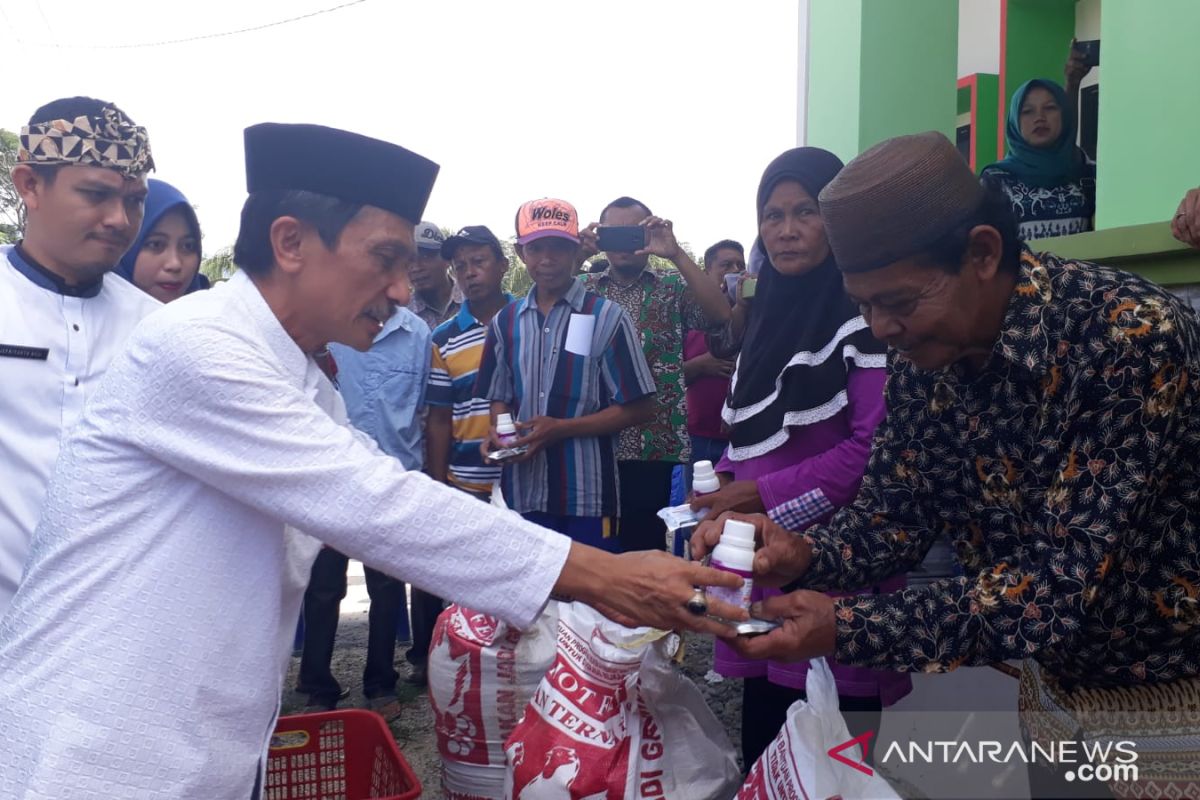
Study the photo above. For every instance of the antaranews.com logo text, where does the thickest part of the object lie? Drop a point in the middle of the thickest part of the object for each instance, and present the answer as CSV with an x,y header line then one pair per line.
x,y
1101,761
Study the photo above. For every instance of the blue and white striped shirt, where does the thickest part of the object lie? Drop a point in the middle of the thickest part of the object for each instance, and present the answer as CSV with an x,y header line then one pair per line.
x,y
457,350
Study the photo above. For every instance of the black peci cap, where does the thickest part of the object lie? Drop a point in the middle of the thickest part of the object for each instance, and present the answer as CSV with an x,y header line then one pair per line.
x,y
339,164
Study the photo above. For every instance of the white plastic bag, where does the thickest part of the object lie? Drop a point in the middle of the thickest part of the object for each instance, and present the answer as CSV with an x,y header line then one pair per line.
x,y
797,764
614,719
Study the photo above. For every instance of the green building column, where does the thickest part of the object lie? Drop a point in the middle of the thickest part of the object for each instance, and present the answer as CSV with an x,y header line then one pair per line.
x,y
1148,137
977,97
880,68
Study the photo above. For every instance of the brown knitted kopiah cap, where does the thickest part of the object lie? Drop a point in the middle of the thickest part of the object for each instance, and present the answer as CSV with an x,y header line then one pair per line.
x,y
896,199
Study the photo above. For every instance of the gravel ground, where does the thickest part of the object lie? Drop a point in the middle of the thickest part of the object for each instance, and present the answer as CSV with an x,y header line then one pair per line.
x,y
413,729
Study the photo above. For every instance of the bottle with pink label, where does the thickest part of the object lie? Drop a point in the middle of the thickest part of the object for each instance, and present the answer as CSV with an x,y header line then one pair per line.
x,y
735,553
506,431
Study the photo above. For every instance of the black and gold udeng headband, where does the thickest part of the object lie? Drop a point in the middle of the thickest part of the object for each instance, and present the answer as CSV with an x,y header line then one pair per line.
x,y
110,140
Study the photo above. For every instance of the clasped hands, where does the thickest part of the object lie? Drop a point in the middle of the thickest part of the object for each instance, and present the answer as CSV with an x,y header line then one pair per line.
x,y
808,625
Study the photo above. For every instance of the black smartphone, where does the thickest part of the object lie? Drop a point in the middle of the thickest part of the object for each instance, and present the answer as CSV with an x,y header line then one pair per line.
x,y
621,238
1090,50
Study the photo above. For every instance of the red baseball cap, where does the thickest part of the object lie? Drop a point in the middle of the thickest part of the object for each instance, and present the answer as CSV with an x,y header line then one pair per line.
x,y
547,217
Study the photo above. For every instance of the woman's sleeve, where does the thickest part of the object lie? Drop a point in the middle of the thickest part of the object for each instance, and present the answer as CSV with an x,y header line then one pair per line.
x,y
800,494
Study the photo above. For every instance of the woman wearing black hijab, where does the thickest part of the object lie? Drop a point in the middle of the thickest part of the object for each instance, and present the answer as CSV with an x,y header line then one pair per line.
x,y
806,397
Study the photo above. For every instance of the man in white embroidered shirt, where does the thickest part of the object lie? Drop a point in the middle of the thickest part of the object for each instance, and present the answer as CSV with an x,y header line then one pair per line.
x,y
143,654
81,173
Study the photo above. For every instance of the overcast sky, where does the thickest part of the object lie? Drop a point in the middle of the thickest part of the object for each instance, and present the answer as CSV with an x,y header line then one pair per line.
x,y
680,104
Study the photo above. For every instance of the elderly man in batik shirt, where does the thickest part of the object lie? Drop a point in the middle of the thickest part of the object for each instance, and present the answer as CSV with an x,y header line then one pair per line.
x,y
1044,414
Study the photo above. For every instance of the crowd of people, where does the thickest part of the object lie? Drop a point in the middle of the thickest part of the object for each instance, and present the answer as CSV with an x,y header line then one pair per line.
x,y
887,364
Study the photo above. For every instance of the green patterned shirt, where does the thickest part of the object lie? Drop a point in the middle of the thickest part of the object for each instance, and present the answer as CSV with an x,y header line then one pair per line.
x,y
663,310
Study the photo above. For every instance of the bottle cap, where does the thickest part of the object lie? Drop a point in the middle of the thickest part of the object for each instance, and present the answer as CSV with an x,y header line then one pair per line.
x,y
504,424
704,478
738,534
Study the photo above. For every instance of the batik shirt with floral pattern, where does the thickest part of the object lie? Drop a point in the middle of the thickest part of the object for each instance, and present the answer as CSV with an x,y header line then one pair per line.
x,y
663,310
1066,472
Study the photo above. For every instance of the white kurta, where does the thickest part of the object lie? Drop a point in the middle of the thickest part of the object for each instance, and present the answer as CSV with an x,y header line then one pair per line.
x,y
143,655
41,397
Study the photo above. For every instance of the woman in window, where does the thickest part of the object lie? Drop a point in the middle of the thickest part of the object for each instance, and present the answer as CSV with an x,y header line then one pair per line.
x,y
1046,176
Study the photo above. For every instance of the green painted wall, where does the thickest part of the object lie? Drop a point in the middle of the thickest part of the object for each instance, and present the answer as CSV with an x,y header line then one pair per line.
x,y
1149,122
1037,39
834,44
910,62
1149,250
986,121
880,68
984,116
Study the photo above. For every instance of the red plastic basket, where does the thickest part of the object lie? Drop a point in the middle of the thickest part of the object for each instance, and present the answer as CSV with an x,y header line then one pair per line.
x,y
337,755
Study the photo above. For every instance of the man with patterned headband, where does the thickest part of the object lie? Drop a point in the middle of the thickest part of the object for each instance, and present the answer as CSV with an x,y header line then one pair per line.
x,y
145,650
80,172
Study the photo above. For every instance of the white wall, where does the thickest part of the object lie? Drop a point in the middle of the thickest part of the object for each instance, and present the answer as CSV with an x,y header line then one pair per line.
x,y
978,36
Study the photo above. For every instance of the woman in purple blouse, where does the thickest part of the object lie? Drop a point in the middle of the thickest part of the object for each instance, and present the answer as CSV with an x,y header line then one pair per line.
x,y
806,397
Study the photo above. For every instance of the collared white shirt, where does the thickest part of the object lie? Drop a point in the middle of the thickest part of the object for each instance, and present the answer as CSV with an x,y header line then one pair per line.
x,y
53,350
144,654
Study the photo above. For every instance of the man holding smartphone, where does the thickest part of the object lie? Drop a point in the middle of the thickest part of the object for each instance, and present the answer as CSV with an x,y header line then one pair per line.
x,y
567,365
664,307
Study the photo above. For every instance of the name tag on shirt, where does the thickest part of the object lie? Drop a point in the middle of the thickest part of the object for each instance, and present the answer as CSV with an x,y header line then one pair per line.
x,y
19,351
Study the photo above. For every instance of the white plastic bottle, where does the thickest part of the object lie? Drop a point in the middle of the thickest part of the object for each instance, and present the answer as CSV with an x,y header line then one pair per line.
x,y
735,553
704,478
704,481
506,431
679,537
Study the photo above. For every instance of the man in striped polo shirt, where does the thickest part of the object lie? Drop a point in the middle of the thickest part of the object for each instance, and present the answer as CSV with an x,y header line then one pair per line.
x,y
567,364
459,418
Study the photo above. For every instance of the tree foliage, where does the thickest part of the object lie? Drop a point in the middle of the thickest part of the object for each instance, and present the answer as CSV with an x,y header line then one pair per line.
x,y
12,210
219,267
518,283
